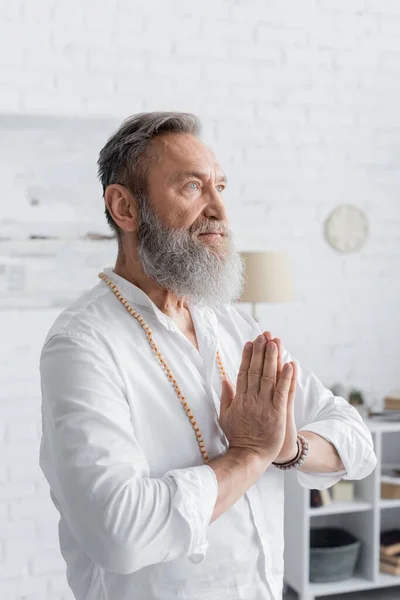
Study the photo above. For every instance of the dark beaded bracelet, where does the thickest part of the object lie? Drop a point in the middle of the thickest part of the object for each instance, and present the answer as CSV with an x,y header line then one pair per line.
x,y
299,459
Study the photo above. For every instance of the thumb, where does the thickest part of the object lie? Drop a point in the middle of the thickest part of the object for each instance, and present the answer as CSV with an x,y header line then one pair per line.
x,y
227,396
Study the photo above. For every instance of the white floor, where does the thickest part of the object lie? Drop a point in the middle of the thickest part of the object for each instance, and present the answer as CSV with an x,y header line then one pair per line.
x,y
382,594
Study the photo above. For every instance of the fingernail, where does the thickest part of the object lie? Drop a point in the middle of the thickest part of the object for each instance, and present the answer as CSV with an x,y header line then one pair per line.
x,y
260,338
248,345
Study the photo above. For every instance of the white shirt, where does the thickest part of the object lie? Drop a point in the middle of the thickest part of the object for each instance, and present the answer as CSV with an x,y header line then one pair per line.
x,y
124,467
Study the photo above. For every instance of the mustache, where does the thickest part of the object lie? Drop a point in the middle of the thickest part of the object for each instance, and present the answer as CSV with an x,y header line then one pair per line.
x,y
211,227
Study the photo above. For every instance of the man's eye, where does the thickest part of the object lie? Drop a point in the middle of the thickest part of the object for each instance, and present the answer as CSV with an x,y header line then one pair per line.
x,y
192,185
220,188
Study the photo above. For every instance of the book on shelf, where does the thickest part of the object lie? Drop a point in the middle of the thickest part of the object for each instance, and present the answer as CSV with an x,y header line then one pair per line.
x,y
390,490
315,499
389,569
392,401
325,497
391,560
390,542
343,491
319,498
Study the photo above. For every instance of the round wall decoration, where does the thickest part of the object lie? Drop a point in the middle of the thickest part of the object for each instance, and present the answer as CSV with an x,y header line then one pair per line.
x,y
346,228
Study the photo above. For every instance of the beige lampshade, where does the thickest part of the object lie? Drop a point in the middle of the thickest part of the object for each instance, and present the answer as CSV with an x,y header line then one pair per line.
x,y
268,277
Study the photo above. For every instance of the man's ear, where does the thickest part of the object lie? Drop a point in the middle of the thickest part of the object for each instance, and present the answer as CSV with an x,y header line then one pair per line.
x,y
122,206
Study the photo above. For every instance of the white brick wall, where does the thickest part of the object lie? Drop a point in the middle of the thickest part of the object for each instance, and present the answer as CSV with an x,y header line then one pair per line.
x,y
300,100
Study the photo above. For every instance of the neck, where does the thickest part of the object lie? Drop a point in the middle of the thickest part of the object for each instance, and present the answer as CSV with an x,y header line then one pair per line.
x,y
131,270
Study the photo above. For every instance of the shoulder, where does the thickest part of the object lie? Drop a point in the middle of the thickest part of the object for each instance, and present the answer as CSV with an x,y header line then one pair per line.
x,y
87,317
78,341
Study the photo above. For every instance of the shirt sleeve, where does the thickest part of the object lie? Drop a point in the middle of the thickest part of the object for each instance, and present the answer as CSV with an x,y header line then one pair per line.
x,y
122,518
333,418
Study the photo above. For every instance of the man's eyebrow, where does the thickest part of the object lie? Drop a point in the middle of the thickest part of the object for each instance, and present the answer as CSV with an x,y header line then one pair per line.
x,y
197,175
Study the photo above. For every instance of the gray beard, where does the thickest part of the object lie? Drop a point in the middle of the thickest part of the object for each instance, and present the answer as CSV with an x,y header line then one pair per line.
x,y
179,262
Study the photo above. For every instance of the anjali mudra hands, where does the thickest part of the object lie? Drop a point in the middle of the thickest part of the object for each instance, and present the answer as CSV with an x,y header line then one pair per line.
x,y
258,421
260,416
253,418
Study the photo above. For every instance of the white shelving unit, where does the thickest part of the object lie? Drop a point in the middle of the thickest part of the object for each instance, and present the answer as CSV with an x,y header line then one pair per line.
x,y
365,518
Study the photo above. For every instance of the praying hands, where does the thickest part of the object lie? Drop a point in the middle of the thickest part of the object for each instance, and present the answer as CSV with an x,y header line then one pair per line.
x,y
258,416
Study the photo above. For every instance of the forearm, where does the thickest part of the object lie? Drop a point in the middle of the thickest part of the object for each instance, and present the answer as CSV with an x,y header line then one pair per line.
x,y
236,472
322,455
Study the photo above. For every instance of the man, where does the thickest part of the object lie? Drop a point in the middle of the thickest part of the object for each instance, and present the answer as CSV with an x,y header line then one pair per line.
x,y
168,478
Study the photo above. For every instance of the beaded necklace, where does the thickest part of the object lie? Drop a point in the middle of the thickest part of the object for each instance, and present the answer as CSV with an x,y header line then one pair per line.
x,y
164,365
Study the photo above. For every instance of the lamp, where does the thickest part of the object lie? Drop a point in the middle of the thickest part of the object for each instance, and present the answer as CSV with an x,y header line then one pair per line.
x,y
268,278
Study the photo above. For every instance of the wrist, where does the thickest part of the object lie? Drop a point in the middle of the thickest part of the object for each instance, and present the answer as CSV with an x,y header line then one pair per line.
x,y
299,459
252,459
287,457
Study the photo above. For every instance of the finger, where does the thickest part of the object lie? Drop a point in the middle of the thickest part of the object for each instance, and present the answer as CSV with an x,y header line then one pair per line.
x,y
292,389
277,341
268,379
268,336
283,386
241,381
256,365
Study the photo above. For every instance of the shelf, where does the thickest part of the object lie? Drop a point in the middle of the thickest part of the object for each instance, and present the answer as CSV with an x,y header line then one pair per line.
x,y
340,507
389,503
386,580
376,426
353,585
365,517
348,585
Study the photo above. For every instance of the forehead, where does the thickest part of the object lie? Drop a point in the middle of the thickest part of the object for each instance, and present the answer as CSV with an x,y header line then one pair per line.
x,y
178,152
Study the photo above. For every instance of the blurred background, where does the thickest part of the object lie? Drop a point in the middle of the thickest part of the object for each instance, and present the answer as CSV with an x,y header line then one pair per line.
x,y
300,101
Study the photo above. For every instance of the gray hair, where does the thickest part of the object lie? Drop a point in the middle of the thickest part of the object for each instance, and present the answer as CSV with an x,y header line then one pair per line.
x,y
125,157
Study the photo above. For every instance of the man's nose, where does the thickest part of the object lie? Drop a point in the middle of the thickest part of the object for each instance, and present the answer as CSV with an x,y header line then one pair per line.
x,y
215,206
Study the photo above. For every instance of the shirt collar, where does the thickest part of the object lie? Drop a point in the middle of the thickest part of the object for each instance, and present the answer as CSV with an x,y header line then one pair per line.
x,y
130,291
134,294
